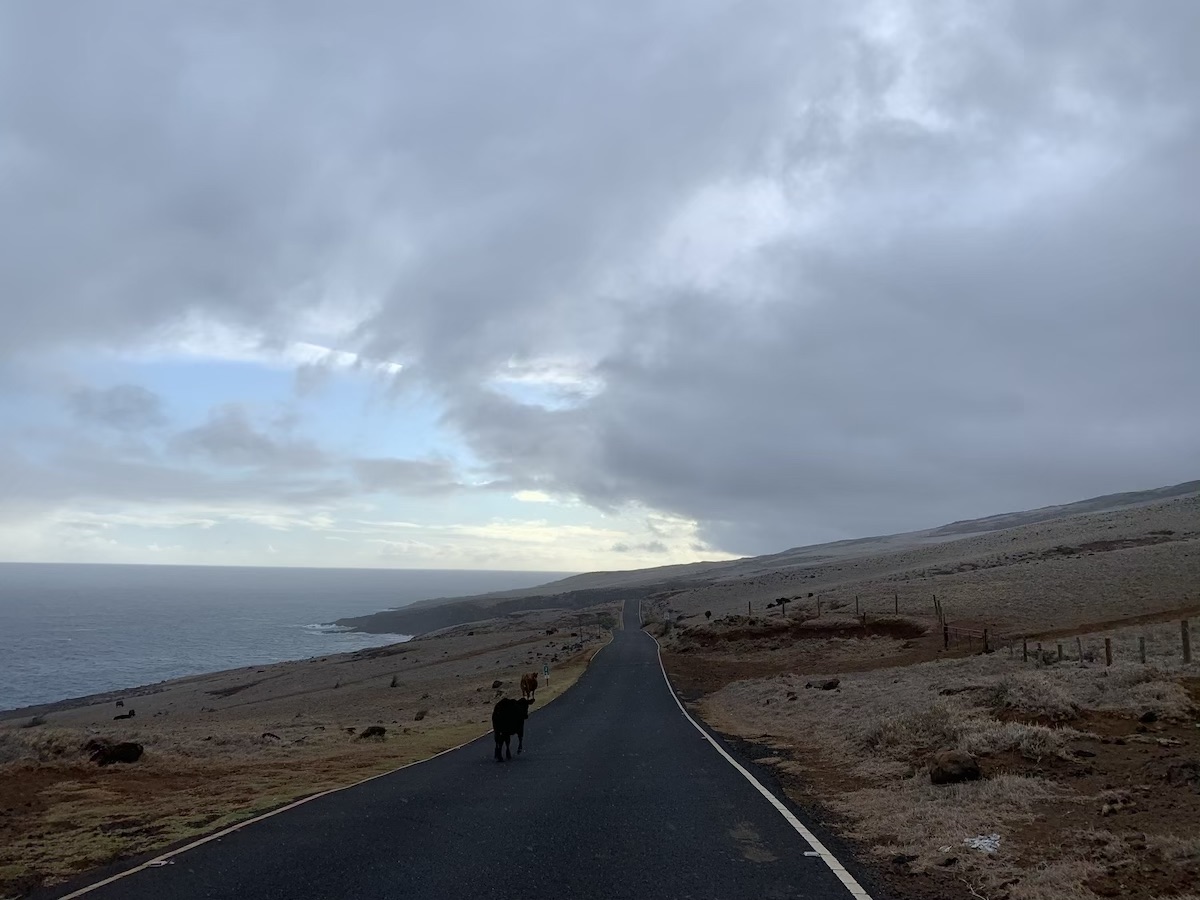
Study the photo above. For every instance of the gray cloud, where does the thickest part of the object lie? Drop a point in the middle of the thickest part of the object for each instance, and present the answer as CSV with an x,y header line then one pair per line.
x,y
646,547
126,407
840,269
229,438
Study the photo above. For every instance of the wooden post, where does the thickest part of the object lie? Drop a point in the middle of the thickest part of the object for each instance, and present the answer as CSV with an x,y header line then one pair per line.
x,y
945,636
1024,650
1185,635
818,606
1040,658
748,612
1060,652
856,605
896,600
1079,647
1142,649
985,640
1108,651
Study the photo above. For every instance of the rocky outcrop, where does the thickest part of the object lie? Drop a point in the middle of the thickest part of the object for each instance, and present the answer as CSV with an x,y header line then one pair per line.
x,y
104,752
953,766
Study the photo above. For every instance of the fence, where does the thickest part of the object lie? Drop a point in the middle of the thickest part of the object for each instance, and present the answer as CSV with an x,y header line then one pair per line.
x,y
1060,651
959,637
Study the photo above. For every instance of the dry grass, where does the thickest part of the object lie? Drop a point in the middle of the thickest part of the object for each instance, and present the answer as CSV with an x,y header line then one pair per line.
x,y
869,742
1067,572
210,768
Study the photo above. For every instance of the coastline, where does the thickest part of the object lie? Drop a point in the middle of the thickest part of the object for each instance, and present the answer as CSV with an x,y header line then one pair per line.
x,y
225,746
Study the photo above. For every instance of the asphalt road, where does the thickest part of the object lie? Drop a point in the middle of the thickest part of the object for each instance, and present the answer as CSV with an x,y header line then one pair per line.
x,y
616,795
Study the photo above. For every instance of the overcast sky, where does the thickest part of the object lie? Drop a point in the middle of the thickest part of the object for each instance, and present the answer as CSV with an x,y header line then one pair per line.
x,y
567,286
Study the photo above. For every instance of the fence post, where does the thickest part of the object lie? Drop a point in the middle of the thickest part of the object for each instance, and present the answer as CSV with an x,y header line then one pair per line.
x,y
818,606
748,610
1060,652
1185,635
1108,651
1079,647
945,636
856,612
985,640
1142,649
1024,650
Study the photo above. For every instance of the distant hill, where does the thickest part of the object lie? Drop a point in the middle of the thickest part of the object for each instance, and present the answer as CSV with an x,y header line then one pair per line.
x,y
592,588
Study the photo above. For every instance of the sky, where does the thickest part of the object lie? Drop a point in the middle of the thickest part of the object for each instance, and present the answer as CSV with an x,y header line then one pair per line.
x,y
570,287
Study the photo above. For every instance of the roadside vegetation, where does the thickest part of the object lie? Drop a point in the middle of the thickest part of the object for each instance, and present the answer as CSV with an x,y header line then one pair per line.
x,y
223,748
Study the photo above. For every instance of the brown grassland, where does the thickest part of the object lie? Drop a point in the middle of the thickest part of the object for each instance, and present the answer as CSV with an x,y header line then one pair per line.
x,y
1090,772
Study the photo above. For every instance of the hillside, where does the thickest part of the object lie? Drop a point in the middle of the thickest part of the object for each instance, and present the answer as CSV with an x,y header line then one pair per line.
x,y
907,562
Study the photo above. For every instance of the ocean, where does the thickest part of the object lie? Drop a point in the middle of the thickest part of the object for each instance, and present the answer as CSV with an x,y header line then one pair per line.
x,y
72,630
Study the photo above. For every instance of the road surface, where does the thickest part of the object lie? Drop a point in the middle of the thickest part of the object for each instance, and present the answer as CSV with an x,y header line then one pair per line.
x,y
618,795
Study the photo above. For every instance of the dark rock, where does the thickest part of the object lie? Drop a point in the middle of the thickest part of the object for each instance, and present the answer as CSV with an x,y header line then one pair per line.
x,y
1148,716
105,753
497,683
953,766
270,735
1087,754
373,731
946,861
420,715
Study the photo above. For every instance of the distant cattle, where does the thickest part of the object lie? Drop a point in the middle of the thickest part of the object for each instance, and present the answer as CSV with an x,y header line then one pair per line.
x,y
128,715
529,685
508,718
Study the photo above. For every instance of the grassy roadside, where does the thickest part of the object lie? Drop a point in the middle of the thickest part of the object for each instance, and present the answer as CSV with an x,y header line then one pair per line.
x,y
1090,773
60,815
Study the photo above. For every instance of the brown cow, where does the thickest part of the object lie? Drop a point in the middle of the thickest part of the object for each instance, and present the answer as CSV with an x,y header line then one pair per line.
x,y
529,685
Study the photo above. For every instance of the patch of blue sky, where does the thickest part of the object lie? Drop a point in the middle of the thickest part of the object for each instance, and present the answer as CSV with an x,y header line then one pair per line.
x,y
347,412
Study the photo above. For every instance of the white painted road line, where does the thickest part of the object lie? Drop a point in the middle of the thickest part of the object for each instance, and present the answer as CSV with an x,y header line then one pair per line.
x,y
855,889
162,860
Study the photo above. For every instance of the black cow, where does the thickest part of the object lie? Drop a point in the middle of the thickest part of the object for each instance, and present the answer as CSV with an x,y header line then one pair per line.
x,y
508,718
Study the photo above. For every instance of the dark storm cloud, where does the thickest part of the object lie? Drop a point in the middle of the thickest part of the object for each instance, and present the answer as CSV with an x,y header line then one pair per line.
x,y
839,269
127,407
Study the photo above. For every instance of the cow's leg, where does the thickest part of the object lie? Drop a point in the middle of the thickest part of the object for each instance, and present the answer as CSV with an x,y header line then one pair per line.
x,y
499,740
520,738
508,747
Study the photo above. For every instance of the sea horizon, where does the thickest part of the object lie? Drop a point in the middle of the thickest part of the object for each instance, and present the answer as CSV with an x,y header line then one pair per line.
x,y
70,630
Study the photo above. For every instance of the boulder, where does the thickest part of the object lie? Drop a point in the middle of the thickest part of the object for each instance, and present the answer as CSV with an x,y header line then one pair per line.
x,y
373,731
828,685
105,753
497,683
953,766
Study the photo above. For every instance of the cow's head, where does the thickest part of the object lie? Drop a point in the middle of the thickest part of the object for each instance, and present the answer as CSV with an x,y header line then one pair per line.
x,y
525,704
